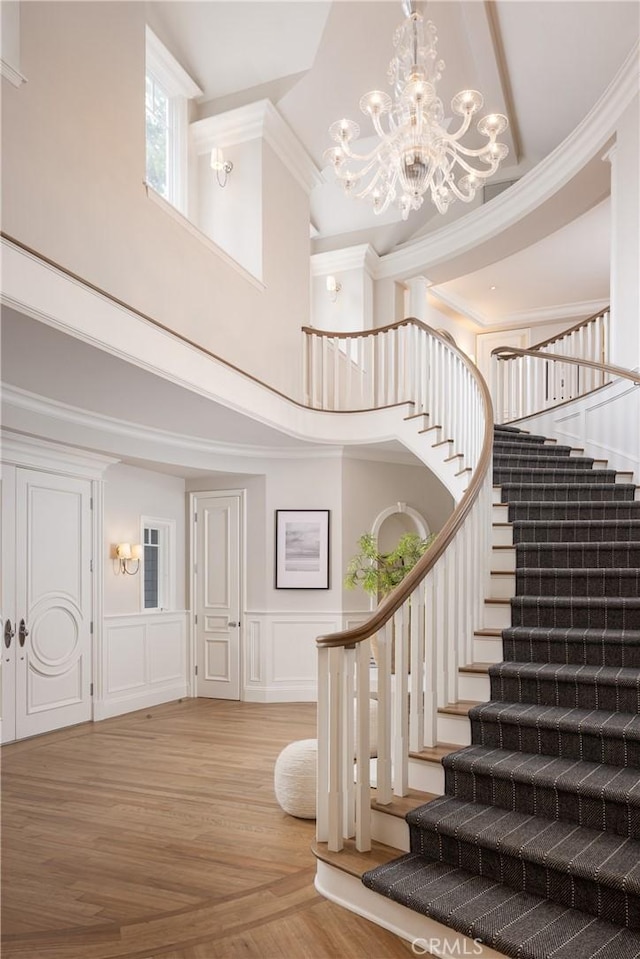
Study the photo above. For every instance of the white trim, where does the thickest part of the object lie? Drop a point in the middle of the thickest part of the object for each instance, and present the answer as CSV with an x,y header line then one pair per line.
x,y
191,228
258,120
163,65
14,396
564,311
530,192
397,510
11,74
42,454
460,305
167,562
361,257
105,709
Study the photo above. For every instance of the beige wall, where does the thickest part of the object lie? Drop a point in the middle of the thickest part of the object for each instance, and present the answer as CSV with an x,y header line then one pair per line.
x,y
129,494
74,155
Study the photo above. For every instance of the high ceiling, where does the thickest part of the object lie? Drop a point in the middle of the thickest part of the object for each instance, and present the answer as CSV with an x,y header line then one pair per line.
x,y
542,62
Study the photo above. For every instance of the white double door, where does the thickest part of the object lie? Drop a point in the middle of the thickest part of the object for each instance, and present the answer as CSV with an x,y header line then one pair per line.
x,y
46,602
217,538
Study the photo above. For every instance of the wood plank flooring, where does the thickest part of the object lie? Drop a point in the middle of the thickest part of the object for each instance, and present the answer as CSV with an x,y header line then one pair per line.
x,y
158,834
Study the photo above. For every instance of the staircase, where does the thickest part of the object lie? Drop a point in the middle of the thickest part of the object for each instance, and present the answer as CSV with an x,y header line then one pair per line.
x,y
535,846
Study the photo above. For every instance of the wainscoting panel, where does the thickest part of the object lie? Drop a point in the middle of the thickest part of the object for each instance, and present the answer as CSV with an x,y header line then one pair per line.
x,y
280,656
144,662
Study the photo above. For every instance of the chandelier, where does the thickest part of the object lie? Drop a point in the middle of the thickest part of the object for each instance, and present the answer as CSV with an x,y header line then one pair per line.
x,y
416,152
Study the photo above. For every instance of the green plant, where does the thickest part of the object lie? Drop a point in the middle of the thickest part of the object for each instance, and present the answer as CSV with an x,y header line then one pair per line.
x,y
378,573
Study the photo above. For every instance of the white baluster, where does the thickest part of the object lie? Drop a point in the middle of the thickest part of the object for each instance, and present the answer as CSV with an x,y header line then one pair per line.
x,y
417,671
431,661
325,374
349,749
401,705
363,747
337,360
322,793
336,746
385,646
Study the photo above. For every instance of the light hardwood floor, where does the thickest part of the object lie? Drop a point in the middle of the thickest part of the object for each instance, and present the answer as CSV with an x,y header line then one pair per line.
x,y
158,834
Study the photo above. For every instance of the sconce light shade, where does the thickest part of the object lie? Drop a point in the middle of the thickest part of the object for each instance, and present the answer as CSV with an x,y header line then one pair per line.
x,y
126,555
221,166
333,287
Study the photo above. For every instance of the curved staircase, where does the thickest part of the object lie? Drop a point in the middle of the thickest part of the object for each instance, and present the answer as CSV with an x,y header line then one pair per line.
x,y
535,846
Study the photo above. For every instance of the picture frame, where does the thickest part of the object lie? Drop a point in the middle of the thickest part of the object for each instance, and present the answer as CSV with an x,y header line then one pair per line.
x,y
302,548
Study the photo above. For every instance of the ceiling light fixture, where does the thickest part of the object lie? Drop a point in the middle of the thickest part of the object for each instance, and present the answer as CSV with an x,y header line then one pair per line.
x,y
416,153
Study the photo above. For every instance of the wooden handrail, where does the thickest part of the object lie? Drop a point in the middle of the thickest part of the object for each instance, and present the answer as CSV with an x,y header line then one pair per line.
x,y
511,352
394,600
572,329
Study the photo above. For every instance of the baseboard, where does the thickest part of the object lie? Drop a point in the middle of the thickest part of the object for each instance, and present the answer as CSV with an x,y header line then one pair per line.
x,y
104,709
426,936
280,694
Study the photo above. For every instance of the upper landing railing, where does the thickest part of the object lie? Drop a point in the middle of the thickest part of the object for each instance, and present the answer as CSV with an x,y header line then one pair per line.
x,y
530,381
404,362
424,628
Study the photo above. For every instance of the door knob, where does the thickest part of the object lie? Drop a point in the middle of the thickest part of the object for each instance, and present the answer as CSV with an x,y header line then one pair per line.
x,y
9,633
234,624
23,632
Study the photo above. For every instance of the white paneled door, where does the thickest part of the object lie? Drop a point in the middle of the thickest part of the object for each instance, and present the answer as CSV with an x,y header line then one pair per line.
x,y
217,578
48,598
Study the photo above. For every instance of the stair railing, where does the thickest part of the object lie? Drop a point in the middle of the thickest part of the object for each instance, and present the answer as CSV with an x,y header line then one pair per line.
x,y
424,628
529,382
587,340
404,362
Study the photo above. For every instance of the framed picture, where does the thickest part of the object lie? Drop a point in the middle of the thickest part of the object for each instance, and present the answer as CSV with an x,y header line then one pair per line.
x,y
302,548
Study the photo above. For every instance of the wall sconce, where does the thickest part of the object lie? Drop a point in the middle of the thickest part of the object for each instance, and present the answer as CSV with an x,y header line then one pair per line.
x,y
222,167
127,554
333,288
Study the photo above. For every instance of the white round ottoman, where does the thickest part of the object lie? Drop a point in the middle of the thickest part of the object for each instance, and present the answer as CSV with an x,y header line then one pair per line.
x,y
295,778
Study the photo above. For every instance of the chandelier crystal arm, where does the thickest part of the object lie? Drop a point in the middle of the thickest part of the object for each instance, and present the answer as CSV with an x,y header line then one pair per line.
x,y
417,155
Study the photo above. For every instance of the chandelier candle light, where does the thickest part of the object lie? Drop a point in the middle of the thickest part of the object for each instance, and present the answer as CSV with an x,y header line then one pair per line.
x,y
416,153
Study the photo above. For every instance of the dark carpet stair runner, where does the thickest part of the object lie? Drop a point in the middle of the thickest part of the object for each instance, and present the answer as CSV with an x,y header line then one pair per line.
x,y
535,846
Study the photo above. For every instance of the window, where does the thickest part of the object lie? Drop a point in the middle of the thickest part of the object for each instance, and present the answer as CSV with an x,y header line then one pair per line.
x,y
168,88
158,565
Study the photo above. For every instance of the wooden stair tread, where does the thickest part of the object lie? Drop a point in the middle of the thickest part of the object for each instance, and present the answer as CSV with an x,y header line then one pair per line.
x,y
435,754
353,862
512,548
503,572
461,708
401,805
475,668
497,600
488,631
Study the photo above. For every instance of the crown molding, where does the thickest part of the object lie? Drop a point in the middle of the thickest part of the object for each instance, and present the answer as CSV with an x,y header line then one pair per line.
x,y
362,257
460,305
23,450
563,311
531,191
258,120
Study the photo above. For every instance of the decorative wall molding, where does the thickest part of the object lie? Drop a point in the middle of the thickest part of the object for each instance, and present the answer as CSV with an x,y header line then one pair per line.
x,y
563,311
533,189
166,68
280,654
143,662
258,120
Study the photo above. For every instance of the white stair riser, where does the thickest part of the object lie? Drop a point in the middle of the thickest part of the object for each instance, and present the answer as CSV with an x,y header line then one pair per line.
x,y
391,830
624,477
487,650
500,513
497,615
501,536
503,585
503,560
454,729
497,495
474,686
427,777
